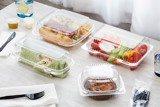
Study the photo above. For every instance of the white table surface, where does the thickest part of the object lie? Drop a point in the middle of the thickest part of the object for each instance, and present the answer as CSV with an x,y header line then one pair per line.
x,y
13,73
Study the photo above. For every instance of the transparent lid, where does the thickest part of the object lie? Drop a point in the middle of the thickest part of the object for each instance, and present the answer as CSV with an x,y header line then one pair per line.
x,y
118,47
118,39
64,27
100,79
43,56
65,22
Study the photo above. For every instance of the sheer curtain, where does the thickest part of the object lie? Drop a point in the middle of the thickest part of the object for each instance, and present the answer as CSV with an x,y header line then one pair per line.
x,y
146,18
144,15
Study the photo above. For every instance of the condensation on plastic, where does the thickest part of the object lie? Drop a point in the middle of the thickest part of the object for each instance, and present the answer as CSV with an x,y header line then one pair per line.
x,y
101,71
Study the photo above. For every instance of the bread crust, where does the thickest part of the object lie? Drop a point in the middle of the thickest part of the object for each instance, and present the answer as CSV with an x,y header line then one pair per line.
x,y
50,36
85,28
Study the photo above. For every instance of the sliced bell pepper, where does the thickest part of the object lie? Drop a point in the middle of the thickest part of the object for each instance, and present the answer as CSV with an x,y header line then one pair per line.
x,y
116,62
136,49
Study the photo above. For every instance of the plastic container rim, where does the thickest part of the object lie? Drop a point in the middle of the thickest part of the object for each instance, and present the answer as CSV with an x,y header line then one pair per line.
x,y
85,92
53,70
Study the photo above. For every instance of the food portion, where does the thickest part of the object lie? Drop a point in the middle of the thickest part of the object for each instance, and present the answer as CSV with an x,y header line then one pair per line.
x,y
100,81
107,48
85,28
29,21
12,23
63,28
100,85
101,89
110,49
42,62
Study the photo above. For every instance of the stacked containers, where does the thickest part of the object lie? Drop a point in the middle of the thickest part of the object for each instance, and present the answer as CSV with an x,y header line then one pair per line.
x,y
64,28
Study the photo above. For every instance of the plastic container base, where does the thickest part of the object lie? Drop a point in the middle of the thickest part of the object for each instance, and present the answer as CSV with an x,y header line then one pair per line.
x,y
23,15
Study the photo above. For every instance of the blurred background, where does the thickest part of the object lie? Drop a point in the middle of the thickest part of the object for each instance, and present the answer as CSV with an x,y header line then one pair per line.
x,y
125,26
138,16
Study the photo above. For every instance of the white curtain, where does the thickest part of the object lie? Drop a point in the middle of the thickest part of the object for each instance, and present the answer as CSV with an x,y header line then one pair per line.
x,y
144,15
146,18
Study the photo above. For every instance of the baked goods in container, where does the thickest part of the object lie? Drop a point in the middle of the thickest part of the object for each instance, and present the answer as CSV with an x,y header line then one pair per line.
x,y
100,86
85,28
100,82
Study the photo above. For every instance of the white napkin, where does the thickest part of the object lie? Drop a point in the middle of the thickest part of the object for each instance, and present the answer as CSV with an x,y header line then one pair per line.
x,y
48,100
10,46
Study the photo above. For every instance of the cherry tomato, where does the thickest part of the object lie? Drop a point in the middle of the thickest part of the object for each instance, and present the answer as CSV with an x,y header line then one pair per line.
x,y
130,60
95,46
132,67
97,41
136,57
105,57
99,55
101,51
143,49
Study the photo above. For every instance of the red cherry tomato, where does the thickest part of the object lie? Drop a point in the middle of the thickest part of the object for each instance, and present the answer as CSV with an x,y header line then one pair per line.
x,y
143,47
132,67
136,57
97,41
99,55
130,60
95,46
105,57
101,51
143,51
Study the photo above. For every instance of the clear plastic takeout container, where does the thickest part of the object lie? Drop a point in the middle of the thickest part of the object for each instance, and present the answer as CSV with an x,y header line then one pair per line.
x,y
118,48
43,56
64,28
100,81
12,23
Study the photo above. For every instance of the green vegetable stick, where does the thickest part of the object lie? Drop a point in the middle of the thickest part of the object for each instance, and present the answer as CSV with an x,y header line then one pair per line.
x,y
115,51
112,57
122,50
